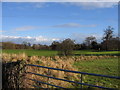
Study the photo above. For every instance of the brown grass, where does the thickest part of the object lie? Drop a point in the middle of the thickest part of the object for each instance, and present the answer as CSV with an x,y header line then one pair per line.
x,y
55,62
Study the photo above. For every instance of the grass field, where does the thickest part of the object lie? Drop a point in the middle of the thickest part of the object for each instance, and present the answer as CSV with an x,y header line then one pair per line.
x,y
53,53
101,66
93,52
32,52
98,66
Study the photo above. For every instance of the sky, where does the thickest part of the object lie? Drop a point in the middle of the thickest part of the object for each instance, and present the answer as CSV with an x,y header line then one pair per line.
x,y
45,22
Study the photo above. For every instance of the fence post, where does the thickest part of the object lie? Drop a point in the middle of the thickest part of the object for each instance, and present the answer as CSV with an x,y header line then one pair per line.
x,y
81,78
48,78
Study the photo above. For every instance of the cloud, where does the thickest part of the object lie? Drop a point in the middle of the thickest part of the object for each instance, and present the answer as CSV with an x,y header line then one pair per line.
x,y
35,5
40,5
1,31
25,28
67,25
24,0
60,0
92,5
73,25
86,4
32,40
80,37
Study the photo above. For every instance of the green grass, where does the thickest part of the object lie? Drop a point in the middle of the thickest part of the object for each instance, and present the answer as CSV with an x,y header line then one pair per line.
x,y
52,53
31,52
101,66
93,52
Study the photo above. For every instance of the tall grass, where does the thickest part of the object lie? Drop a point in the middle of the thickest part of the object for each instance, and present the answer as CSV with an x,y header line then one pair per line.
x,y
62,62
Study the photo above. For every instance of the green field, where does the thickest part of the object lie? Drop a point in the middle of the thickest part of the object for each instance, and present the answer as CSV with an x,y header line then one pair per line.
x,y
101,66
31,52
95,52
53,53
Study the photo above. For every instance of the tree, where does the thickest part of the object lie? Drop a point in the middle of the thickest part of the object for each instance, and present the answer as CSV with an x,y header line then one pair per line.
x,y
113,44
83,46
77,46
66,47
54,45
36,46
8,45
89,40
95,45
108,35
24,44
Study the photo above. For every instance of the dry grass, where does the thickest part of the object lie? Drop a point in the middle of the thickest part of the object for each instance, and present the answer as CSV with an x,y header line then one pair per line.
x,y
55,62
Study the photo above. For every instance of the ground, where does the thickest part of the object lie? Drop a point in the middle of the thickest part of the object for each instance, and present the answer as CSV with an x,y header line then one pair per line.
x,y
100,66
53,53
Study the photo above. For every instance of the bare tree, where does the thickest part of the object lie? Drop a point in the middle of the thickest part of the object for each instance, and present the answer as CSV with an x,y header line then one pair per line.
x,y
89,41
108,35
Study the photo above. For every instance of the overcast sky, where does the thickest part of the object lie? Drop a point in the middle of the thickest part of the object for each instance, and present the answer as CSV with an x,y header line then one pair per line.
x,y
44,22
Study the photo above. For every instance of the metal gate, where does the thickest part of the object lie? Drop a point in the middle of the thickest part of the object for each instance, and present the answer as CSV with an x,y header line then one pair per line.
x,y
81,77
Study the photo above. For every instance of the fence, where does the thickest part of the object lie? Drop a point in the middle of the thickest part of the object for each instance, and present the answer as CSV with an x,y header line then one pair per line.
x,y
81,77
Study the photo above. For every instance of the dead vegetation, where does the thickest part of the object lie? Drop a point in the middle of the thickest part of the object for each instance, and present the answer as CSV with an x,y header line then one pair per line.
x,y
55,62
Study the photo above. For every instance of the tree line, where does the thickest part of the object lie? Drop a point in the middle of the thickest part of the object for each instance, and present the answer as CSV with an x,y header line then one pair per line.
x,y
109,42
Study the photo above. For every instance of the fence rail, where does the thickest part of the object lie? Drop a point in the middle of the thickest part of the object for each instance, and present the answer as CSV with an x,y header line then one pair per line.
x,y
80,83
